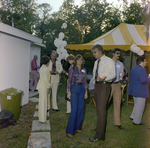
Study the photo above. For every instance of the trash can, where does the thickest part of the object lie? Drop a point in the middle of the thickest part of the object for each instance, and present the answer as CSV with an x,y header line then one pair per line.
x,y
10,100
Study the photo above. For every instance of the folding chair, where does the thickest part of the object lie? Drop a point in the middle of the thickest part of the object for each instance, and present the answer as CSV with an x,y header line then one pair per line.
x,y
92,96
123,89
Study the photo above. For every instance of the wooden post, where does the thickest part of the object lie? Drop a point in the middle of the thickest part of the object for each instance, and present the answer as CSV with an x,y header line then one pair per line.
x,y
130,64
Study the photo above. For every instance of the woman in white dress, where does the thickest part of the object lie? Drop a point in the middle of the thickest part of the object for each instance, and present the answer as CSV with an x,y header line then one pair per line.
x,y
43,87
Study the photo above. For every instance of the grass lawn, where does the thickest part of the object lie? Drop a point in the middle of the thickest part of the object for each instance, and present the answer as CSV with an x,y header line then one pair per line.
x,y
16,136
134,136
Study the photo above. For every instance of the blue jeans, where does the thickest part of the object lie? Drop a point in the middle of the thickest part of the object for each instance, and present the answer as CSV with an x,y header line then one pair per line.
x,y
77,109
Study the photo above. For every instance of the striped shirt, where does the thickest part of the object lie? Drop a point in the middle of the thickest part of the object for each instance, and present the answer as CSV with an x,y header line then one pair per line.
x,y
77,76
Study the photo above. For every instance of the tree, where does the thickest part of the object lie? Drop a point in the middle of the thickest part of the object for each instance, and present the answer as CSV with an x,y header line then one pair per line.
x,y
95,18
134,14
43,19
19,11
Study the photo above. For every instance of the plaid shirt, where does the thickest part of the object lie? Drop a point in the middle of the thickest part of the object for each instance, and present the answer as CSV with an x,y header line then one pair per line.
x,y
77,76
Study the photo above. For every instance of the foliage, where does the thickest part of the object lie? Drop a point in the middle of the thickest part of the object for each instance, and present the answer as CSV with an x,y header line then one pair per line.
x,y
84,23
134,14
20,12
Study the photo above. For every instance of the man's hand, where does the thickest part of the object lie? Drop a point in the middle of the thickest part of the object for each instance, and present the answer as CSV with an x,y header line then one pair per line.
x,y
101,79
56,72
51,72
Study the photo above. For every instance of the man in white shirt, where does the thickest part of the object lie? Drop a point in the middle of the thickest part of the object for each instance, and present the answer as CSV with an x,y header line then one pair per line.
x,y
55,69
103,73
116,87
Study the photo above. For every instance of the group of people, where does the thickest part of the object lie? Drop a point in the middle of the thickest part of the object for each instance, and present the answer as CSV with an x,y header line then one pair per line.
x,y
107,76
48,82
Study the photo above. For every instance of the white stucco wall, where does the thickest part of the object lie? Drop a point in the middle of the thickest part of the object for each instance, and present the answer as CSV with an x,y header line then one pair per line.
x,y
17,49
14,64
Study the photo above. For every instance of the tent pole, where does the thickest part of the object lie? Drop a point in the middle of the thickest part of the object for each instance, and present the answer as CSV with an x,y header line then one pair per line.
x,y
131,53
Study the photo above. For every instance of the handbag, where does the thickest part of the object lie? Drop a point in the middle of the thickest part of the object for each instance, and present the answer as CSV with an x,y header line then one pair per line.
x,y
67,99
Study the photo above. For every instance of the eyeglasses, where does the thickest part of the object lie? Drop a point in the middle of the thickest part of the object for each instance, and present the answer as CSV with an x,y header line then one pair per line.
x,y
118,53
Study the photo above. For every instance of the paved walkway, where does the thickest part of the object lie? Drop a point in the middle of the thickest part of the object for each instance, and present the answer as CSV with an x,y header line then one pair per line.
x,y
40,136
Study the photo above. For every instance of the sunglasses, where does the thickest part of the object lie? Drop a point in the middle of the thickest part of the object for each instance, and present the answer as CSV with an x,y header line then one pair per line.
x,y
118,53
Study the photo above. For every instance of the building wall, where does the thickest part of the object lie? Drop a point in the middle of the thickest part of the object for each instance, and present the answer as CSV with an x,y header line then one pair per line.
x,y
14,64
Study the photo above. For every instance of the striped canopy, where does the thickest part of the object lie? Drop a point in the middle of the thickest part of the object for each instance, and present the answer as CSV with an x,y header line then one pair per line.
x,y
122,36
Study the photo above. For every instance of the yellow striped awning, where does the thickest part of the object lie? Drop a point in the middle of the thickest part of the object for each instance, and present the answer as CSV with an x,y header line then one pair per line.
x,y
122,36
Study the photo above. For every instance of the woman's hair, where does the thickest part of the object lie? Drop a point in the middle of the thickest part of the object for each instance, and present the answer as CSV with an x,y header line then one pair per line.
x,y
70,57
77,58
45,59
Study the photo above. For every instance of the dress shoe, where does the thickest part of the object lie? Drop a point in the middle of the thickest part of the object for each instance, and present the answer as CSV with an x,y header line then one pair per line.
x,y
35,90
78,131
131,118
30,90
120,127
56,110
69,135
93,139
139,123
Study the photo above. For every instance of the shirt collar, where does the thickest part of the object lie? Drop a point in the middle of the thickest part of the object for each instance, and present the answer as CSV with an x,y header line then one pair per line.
x,y
101,58
141,65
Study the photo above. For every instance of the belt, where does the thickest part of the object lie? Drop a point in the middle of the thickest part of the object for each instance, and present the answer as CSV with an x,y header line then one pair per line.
x,y
115,82
77,83
104,82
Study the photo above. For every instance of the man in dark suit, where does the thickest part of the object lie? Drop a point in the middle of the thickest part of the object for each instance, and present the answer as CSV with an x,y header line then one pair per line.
x,y
138,88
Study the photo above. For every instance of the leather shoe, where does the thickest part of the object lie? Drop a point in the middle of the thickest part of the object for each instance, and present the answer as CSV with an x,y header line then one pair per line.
x,y
56,110
120,127
30,90
131,118
93,139
139,123
36,90
78,131
69,135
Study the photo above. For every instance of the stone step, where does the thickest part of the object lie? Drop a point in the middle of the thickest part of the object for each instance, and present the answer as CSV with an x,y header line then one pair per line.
x,y
37,126
39,140
34,99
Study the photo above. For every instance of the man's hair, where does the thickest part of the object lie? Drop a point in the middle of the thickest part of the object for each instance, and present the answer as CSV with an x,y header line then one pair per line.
x,y
140,59
116,49
99,47
44,60
77,58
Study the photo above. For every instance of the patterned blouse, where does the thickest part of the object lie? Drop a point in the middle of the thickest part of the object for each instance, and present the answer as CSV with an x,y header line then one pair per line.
x,y
77,76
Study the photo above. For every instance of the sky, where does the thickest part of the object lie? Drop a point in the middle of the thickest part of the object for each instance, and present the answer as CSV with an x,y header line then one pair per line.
x,y
57,3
